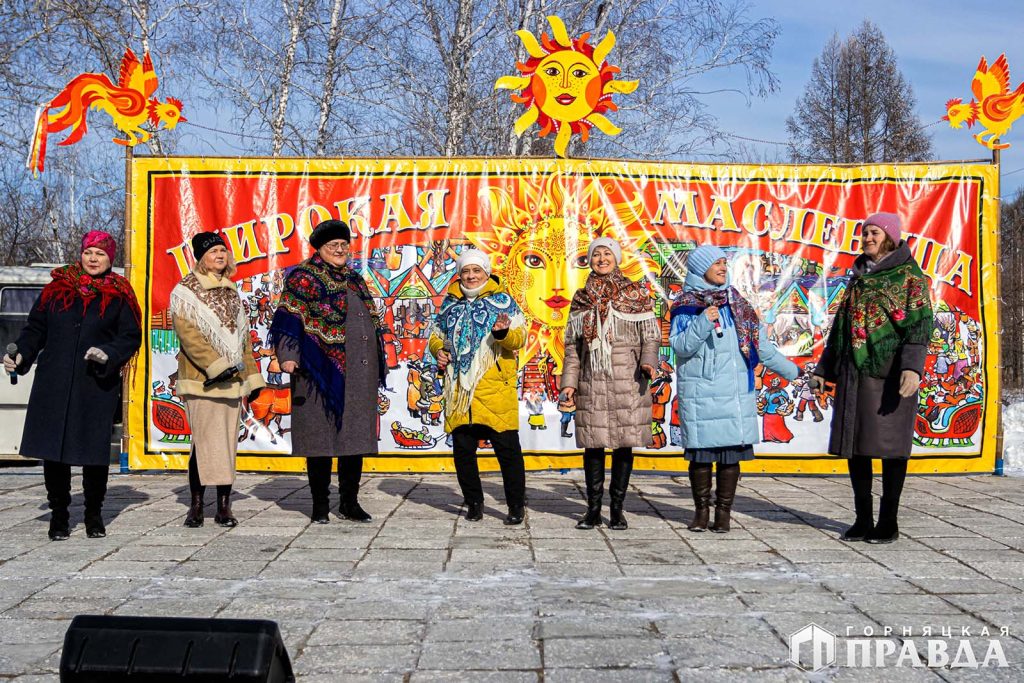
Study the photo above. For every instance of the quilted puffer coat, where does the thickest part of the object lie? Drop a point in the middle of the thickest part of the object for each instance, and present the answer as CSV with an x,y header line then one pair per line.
x,y
717,405
613,410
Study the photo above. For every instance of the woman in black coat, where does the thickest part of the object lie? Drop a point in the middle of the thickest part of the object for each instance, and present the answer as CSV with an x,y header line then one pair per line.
x,y
875,354
84,329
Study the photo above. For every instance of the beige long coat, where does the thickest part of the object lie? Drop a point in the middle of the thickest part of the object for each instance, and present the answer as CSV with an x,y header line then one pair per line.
x,y
213,411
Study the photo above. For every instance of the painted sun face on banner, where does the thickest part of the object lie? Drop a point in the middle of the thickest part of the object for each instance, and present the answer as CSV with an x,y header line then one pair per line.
x,y
541,230
566,85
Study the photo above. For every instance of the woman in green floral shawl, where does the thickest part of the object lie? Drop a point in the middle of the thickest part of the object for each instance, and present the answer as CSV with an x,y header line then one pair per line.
x,y
875,355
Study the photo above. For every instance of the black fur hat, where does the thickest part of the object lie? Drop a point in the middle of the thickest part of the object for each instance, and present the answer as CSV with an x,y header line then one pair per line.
x,y
328,231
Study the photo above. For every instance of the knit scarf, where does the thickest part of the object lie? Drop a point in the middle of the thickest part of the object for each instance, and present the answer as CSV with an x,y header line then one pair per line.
x,y
465,325
311,315
71,282
610,308
882,311
217,312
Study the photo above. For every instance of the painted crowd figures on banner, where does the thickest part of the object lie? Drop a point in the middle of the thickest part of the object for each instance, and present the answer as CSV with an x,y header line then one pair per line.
x,y
791,261
995,106
130,104
566,85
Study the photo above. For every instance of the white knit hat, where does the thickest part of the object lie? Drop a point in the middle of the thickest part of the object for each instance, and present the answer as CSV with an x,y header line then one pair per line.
x,y
607,243
474,257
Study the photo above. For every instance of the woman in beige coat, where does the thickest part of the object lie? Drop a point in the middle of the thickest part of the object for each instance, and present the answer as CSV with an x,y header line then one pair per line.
x,y
215,370
611,350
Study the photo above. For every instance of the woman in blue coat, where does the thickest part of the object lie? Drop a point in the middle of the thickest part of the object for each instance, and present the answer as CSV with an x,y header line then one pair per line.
x,y
718,341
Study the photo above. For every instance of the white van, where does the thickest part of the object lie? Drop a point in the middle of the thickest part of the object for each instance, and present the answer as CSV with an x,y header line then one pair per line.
x,y
19,288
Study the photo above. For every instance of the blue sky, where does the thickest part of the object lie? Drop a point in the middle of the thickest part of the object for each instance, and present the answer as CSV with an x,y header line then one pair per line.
x,y
937,43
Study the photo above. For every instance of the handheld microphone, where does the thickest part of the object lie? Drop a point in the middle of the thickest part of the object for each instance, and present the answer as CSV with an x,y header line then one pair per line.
x,y
12,351
717,323
226,375
448,348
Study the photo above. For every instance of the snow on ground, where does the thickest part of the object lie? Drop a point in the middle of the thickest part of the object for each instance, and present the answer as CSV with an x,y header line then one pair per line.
x,y
1013,436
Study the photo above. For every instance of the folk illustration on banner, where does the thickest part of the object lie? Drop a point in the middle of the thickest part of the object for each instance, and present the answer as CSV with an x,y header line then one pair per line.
x,y
566,85
994,107
130,104
792,261
538,231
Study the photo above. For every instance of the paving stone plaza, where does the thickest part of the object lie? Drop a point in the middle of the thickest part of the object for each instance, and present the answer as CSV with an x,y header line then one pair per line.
x,y
420,594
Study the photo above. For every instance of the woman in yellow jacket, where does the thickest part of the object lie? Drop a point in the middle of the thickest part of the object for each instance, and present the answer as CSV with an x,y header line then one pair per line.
x,y
475,339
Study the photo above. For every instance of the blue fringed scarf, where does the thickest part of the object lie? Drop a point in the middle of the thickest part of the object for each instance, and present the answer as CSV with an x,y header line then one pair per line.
x,y
465,325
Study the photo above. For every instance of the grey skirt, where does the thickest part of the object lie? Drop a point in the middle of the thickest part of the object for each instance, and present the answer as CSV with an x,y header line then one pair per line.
x,y
723,455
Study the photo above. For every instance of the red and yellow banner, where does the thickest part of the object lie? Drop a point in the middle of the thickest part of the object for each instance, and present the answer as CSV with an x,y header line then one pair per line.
x,y
792,233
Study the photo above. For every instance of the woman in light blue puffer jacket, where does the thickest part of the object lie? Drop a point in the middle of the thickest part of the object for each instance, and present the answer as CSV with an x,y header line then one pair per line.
x,y
718,341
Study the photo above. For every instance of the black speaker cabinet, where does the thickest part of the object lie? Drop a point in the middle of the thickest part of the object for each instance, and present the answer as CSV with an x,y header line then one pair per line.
x,y
157,649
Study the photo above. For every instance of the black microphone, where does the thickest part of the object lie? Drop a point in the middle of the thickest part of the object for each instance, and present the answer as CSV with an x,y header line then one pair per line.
x,y
448,348
227,374
12,351
717,323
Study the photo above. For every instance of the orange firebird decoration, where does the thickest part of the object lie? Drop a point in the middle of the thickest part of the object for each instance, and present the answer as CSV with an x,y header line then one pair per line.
x,y
566,85
130,104
994,105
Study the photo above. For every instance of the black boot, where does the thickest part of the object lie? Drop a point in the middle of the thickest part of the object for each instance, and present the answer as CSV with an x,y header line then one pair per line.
x,y
321,513
565,430
57,477
516,515
318,471
194,518
726,479
700,486
622,467
894,473
350,471
94,483
474,511
593,475
224,516
863,504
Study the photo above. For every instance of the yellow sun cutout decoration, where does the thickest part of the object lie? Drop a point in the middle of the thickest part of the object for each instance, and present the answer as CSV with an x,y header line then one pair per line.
x,y
538,232
566,85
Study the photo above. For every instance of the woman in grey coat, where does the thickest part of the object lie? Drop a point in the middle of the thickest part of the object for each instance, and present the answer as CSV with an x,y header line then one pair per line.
x,y
611,349
875,355
328,334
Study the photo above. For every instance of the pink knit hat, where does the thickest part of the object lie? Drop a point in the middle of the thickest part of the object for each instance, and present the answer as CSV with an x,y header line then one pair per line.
x,y
890,224
100,240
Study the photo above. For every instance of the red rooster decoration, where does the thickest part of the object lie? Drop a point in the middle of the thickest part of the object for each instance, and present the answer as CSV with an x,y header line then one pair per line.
x,y
995,106
130,104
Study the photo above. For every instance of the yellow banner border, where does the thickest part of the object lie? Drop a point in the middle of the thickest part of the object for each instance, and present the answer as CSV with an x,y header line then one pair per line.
x,y
144,168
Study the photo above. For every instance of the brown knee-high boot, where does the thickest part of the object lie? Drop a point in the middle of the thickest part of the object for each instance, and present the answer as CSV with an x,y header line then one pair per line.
x,y
700,486
726,479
